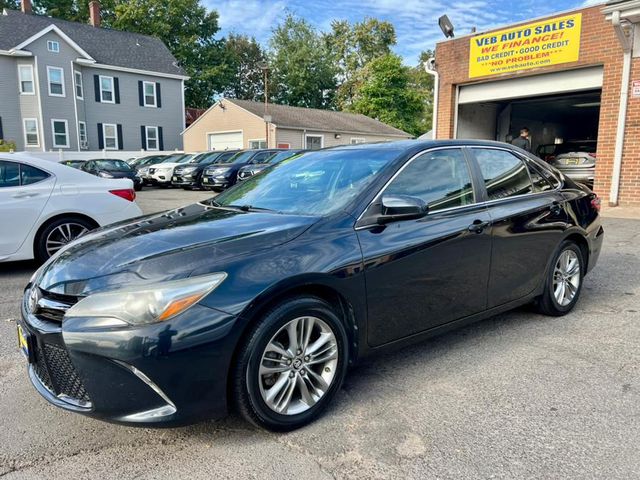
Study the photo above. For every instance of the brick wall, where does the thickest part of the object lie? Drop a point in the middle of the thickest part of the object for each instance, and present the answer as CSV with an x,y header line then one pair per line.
x,y
599,46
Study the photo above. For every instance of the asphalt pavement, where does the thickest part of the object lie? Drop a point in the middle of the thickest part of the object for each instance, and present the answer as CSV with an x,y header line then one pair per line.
x,y
517,396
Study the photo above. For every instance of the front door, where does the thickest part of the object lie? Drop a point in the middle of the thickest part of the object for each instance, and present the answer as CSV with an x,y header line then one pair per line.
x,y
426,272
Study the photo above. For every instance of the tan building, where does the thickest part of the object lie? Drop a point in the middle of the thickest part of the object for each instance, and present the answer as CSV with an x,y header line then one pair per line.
x,y
231,124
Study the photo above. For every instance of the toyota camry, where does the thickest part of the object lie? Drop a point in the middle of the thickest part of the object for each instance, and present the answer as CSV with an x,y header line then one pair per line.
x,y
262,297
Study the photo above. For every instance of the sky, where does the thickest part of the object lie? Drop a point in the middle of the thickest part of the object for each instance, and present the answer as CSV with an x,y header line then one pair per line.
x,y
415,21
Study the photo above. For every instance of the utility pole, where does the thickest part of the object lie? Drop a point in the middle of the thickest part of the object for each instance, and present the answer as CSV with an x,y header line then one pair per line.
x,y
264,66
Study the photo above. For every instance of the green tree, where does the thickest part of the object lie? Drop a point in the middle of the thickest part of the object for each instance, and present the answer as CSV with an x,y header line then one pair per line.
x,y
422,82
244,55
188,30
353,46
384,91
74,10
302,70
12,4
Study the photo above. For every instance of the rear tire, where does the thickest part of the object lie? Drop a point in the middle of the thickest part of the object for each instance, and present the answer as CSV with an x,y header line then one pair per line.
x,y
279,384
564,281
58,233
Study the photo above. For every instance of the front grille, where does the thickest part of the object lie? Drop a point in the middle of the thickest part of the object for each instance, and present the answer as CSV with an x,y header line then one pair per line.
x,y
51,307
55,370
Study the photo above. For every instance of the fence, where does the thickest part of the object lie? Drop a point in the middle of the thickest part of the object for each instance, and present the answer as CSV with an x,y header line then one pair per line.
x,y
62,155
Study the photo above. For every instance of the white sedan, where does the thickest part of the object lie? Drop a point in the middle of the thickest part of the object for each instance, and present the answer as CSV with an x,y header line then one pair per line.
x,y
44,205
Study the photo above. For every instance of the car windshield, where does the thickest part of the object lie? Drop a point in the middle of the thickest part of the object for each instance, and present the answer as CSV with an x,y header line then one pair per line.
x,y
112,165
280,156
314,183
241,157
173,158
207,158
576,147
225,157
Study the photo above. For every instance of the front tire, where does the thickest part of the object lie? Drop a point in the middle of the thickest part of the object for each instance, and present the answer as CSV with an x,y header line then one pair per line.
x,y
291,365
564,281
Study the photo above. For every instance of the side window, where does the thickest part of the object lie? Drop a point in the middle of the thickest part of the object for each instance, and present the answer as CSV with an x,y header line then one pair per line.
x,y
540,183
505,175
441,178
29,175
9,174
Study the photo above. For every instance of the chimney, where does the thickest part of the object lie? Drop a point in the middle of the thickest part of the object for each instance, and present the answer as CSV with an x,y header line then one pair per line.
x,y
26,6
94,13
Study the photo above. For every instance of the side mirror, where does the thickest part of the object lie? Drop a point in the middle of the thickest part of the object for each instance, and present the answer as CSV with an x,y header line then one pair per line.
x,y
401,207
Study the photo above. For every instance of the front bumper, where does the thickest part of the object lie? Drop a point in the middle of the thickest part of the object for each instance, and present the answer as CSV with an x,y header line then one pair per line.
x,y
182,181
147,376
215,182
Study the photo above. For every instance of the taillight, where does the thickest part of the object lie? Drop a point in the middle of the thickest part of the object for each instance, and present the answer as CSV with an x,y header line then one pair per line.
x,y
596,203
126,193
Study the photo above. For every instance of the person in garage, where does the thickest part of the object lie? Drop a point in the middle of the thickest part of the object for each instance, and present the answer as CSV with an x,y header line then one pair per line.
x,y
523,140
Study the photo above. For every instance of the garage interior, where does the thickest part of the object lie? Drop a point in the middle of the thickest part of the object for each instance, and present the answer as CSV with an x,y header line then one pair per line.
x,y
557,108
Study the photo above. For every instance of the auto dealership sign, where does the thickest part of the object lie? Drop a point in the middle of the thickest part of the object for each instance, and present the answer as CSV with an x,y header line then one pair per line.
x,y
540,44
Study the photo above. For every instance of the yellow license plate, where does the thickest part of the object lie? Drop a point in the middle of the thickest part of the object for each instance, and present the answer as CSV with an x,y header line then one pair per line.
x,y
22,341
573,161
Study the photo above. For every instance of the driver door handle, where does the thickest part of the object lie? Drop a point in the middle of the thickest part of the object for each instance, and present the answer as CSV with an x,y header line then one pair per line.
x,y
478,226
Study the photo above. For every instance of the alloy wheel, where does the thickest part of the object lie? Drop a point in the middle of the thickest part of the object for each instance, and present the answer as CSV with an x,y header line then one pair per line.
x,y
63,234
566,277
298,365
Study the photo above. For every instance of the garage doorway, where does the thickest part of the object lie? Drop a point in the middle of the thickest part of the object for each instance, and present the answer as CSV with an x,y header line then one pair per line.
x,y
225,140
551,119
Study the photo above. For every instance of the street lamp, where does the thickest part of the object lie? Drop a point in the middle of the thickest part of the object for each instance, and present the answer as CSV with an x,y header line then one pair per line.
x,y
264,66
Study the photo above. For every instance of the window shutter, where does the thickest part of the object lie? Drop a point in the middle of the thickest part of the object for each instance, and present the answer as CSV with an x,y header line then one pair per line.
x,y
160,140
158,95
96,84
100,137
116,88
143,136
120,140
141,93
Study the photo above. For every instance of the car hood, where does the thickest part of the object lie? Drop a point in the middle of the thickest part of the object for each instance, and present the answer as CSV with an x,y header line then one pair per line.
x,y
193,240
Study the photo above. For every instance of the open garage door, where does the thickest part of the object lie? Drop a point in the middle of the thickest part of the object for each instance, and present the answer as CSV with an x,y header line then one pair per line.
x,y
225,141
556,107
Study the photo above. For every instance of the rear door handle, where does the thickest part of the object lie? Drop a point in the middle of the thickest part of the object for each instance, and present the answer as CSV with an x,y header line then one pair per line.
x,y
24,195
478,226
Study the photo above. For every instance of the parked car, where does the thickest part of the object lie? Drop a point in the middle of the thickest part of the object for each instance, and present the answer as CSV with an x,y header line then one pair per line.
x,y
577,160
224,173
249,170
189,175
160,174
112,168
45,205
140,162
73,163
153,161
264,295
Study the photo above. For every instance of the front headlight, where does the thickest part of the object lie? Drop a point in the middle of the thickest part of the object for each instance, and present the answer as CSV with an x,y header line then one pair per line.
x,y
149,303
105,175
188,169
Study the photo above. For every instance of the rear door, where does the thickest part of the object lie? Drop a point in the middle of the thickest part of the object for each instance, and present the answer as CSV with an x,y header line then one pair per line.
x,y
24,191
528,217
426,272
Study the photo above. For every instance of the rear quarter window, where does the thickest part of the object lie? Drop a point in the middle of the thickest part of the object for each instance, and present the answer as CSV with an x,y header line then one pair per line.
x,y
504,174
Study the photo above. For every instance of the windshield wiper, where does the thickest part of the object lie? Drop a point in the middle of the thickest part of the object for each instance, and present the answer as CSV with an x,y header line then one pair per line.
x,y
250,208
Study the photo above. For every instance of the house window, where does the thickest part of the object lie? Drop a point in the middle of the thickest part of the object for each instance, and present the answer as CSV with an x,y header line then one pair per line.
x,y
31,137
55,76
53,46
79,88
149,94
25,73
110,135
60,133
152,138
314,142
253,144
357,140
106,90
82,135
